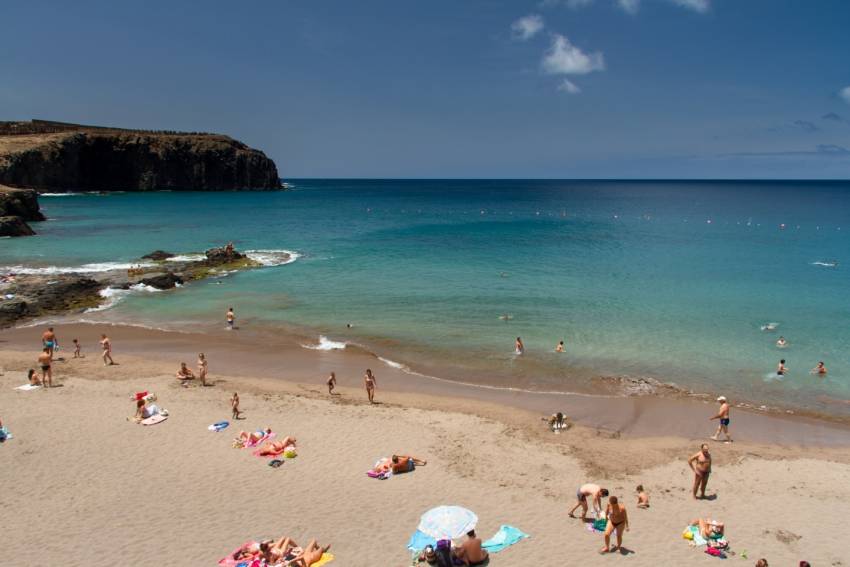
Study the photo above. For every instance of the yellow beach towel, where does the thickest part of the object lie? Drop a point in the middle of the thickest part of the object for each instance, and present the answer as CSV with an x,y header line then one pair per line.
x,y
326,558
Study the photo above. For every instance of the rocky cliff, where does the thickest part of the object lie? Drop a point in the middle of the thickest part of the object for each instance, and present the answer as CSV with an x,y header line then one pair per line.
x,y
56,156
16,207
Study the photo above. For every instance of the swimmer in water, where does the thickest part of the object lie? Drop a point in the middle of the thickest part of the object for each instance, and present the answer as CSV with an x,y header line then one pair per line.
x,y
781,369
781,342
506,317
520,348
769,327
560,347
819,369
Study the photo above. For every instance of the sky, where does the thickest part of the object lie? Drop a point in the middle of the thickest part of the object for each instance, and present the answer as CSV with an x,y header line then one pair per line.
x,y
455,88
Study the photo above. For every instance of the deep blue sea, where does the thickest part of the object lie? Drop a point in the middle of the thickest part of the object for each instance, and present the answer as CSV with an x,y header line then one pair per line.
x,y
672,280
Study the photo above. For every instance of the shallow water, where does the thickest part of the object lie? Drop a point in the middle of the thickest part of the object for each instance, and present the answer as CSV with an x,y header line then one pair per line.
x,y
666,279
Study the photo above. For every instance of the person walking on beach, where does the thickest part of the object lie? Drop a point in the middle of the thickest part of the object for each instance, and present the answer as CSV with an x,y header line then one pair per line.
x,y
202,369
331,383
45,360
48,341
106,345
723,416
700,463
592,491
234,406
618,519
371,382
230,318
520,348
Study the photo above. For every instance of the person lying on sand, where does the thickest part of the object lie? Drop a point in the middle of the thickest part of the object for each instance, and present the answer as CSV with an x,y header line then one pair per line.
x,y
273,552
643,497
254,436
708,527
310,556
405,463
595,492
274,448
470,551
144,411
184,373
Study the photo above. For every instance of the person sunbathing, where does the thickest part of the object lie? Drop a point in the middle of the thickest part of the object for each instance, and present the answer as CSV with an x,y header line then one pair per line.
x,y
405,463
144,410
311,555
273,552
274,448
254,436
709,529
185,373
247,553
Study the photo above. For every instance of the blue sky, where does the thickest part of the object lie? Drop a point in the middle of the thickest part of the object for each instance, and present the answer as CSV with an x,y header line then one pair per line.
x,y
453,88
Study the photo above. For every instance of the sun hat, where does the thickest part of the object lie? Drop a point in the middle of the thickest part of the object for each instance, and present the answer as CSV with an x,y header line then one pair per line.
x,y
721,399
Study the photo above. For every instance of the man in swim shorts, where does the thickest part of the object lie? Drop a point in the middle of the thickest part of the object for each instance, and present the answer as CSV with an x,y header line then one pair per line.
x,y
700,463
45,361
593,491
230,318
48,341
723,416
405,463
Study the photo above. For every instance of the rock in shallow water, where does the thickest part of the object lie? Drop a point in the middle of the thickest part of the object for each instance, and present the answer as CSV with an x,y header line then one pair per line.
x,y
14,226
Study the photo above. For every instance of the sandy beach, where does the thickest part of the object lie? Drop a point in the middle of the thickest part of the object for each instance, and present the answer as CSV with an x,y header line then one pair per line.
x,y
92,488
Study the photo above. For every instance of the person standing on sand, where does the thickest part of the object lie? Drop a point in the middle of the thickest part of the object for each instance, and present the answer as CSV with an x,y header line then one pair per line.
x,y
202,369
723,416
700,463
48,341
77,347
331,383
593,491
371,382
234,406
45,361
618,519
106,345
230,318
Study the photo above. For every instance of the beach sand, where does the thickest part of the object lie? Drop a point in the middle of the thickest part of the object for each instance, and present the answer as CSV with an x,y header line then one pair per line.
x,y
84,486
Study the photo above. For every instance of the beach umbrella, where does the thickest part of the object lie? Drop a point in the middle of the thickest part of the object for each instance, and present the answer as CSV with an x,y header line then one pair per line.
x,y
447,522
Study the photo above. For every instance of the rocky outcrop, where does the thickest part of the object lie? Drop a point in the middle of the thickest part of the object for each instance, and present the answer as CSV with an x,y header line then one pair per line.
x,y
67,157
34,296
16,207
167,280
158,255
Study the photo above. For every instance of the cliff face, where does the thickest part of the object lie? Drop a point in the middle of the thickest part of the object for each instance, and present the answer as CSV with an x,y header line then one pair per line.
x,y
66,157
16,207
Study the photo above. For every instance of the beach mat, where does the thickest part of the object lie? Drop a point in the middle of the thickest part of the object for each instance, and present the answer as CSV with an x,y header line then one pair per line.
x,y
228,561
28,387
219,426
154,419
326,558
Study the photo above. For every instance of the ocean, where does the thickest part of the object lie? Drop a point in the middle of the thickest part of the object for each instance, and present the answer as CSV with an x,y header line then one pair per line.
x,y
672,280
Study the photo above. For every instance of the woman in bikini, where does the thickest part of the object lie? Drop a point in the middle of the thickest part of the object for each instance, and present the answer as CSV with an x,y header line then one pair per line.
x,y
311,555
274,448
106,344
370,381
202,369
618,519
254,436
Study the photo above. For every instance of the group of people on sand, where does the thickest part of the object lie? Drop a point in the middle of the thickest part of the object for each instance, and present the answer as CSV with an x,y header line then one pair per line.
x,y
369,381
185,374
615,513
470,553
284,551
49,347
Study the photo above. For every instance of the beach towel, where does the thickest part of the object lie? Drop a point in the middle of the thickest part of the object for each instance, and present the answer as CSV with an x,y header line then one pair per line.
x,y
219,426
599,525
4,434
504,538
28,387
228,561
692,533
154,419
326,558
379,475
419,541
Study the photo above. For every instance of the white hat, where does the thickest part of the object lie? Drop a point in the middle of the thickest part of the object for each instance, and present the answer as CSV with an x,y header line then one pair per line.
x,y
721,399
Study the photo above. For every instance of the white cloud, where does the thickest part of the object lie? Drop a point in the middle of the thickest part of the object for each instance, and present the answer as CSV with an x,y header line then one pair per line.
x,y
564,58
700,6
569,87
527,27
629,6
845,94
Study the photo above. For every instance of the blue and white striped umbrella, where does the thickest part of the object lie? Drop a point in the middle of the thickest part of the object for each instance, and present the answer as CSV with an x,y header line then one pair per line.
x,y
447,522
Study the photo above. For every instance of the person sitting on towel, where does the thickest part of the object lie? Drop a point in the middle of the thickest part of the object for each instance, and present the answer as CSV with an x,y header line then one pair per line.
x,y
404,463
144,411
470,551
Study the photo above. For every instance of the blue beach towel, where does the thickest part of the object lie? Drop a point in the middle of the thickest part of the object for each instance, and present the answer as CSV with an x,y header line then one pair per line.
x,y
504,538
419,541
218,426
4,434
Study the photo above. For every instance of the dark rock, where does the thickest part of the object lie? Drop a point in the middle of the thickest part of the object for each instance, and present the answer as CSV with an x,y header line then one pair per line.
x,y
222,256
158,255
14,226
74,157
19,203
41,295
167,280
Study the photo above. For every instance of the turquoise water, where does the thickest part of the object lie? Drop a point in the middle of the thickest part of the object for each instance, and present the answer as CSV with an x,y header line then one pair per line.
x,y
665,279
